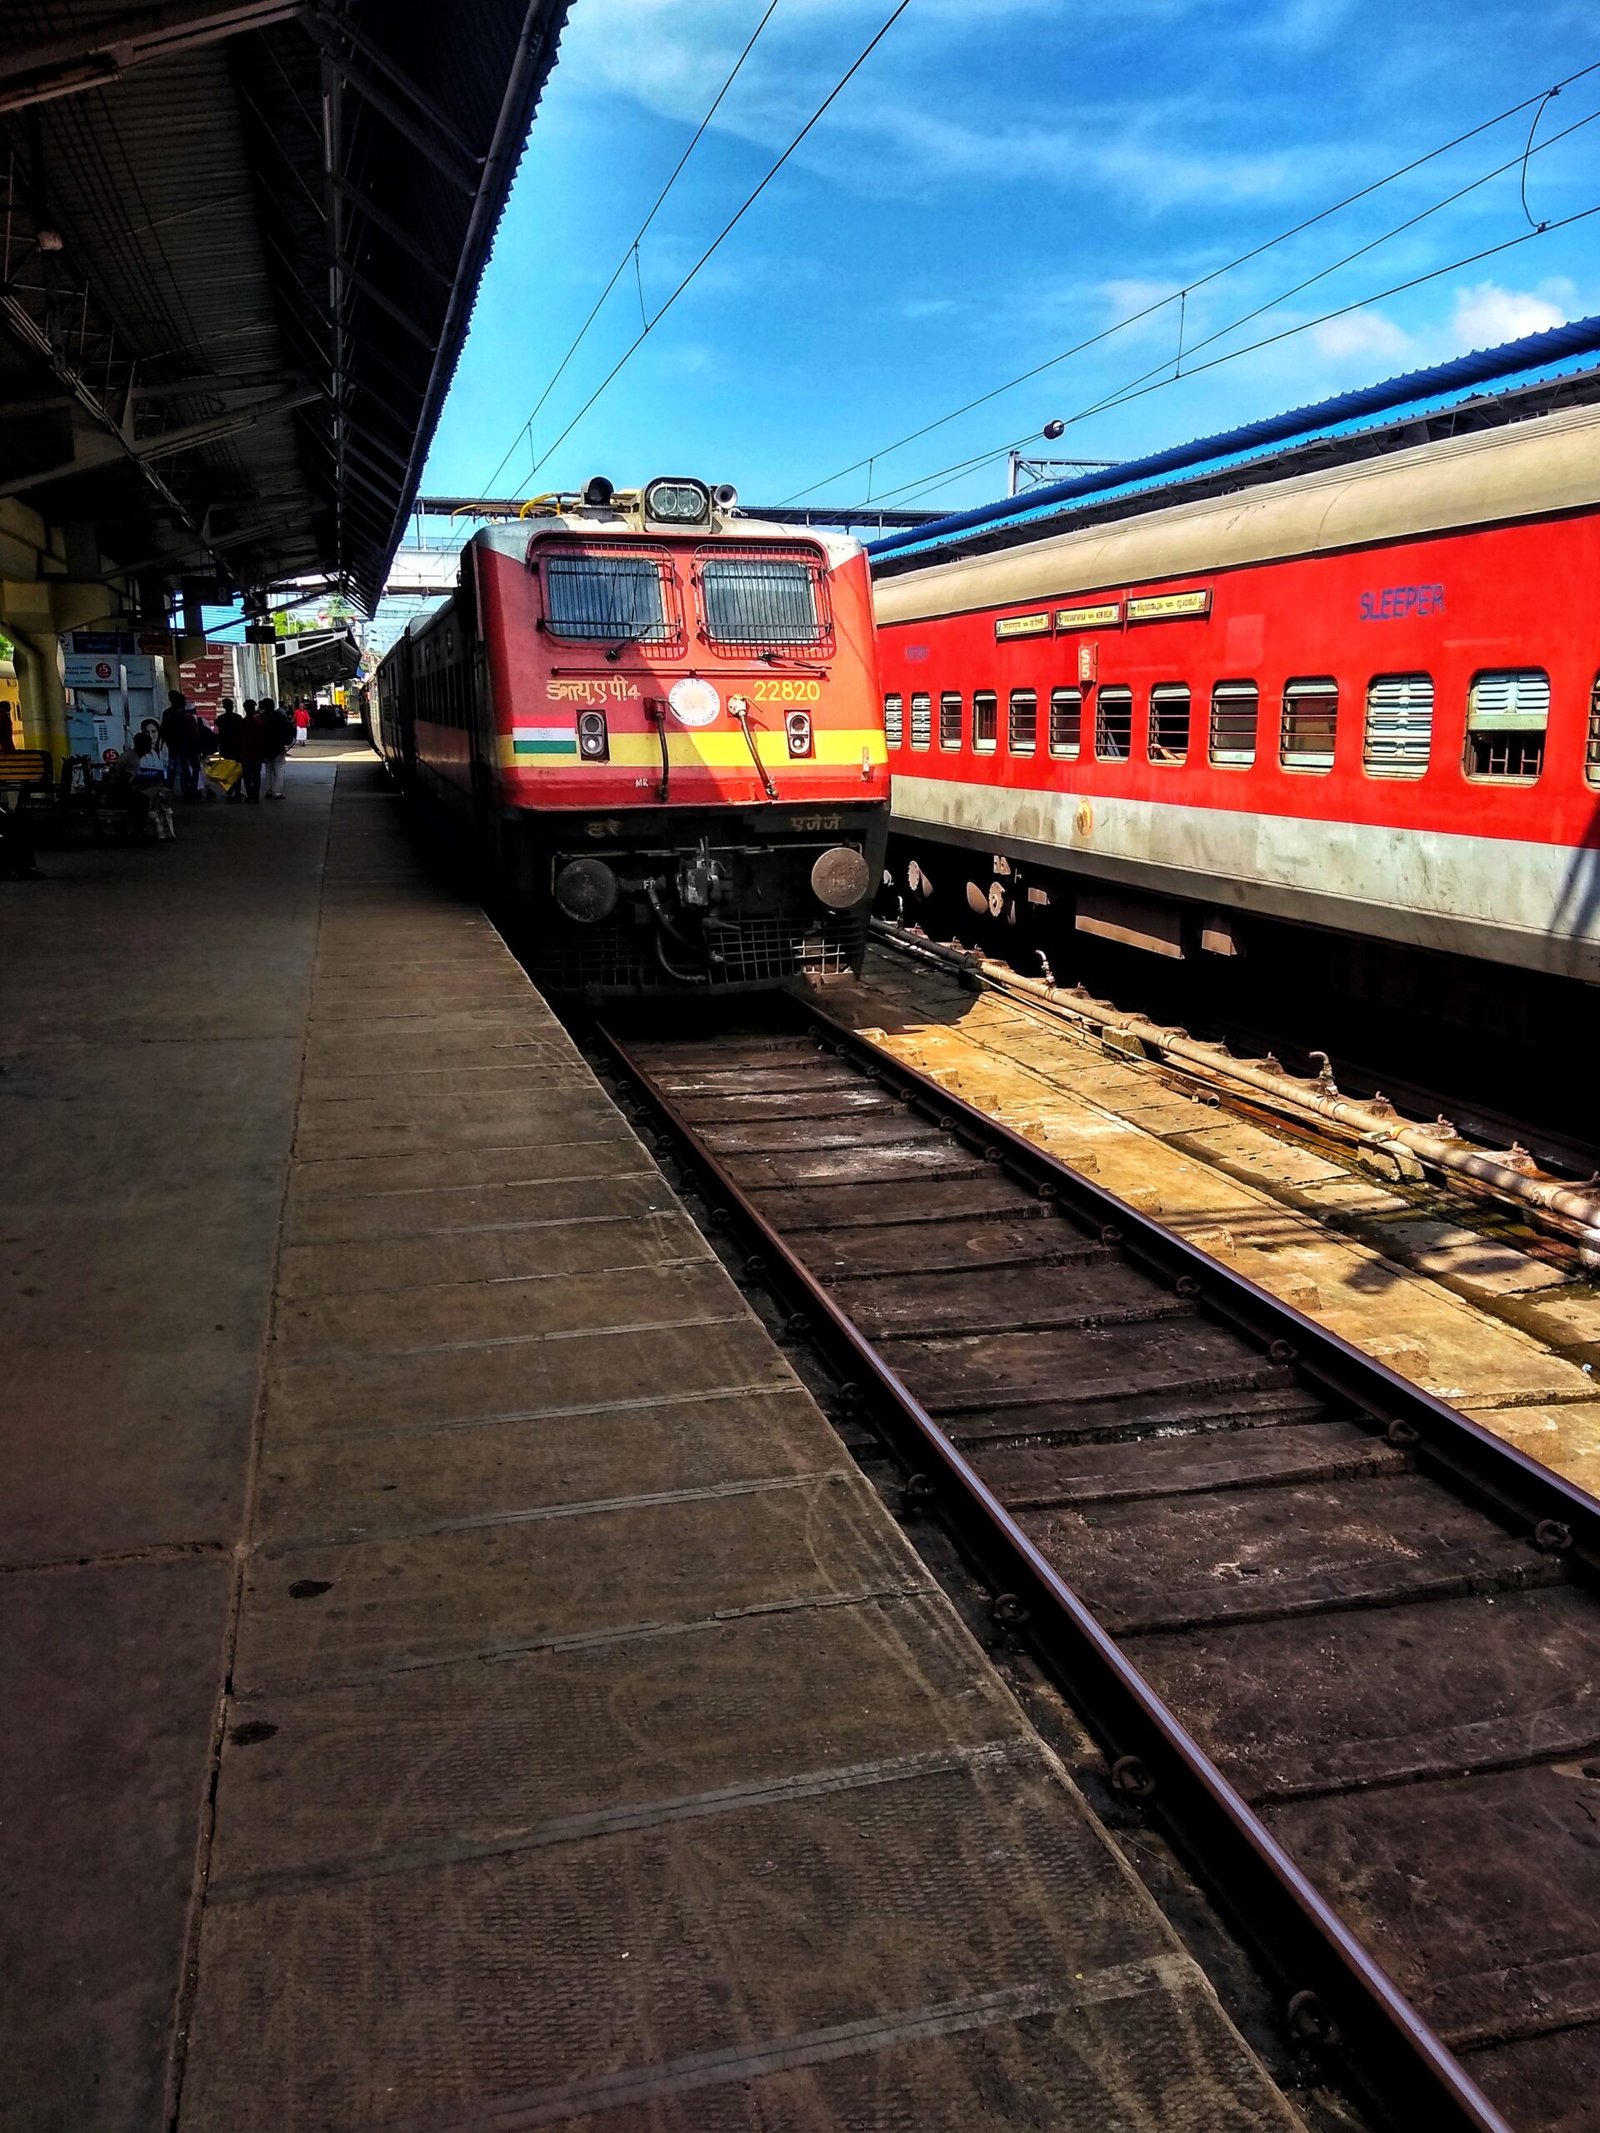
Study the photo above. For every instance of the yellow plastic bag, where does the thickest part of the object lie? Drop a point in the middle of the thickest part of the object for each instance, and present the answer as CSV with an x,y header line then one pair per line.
x,y
224,773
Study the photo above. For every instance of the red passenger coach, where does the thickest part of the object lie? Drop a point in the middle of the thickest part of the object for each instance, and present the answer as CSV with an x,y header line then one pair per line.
x,y
1364,699
659,724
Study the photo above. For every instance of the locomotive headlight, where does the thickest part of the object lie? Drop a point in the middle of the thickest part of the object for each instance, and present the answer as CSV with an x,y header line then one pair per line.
x,y
678,502
594,743
694,702
797,725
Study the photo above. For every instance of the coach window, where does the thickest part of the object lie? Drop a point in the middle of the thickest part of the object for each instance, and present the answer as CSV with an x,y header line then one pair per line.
x,y
1399,734
1066,723
1022,730
1113,725
922,721
1591,755
894,721
1310,724
985,720
1169,723
1234,707
1507,713
950,719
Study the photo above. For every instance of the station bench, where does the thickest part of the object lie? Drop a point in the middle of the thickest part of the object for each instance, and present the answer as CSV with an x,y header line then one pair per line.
x,y
30,773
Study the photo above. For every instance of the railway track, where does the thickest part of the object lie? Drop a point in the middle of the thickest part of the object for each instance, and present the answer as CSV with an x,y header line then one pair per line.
x,y
1342,1643
1550,1184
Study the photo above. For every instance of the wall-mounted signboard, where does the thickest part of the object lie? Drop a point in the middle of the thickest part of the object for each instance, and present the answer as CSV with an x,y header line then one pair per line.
x,y
1167,607
1022,626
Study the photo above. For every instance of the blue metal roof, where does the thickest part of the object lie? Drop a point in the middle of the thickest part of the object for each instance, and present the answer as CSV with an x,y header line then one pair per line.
x,y
1413,393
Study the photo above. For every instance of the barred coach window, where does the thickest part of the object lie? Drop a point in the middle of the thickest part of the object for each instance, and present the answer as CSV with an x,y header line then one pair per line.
x,y
1310,724
1591,754
764,600
922,721
1169,723
894,721
1113,726
1022,732
950,719
610,599
1234,705
1399,734
1066,723
1507,712
985,720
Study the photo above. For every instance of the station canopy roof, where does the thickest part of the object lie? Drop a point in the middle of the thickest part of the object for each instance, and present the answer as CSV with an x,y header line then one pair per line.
x,y
239,248
315,659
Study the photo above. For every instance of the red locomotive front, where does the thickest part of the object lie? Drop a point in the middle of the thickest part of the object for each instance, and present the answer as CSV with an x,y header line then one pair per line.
x,y
661,724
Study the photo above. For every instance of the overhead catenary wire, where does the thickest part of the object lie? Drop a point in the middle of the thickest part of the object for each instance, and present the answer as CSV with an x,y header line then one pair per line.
x,y
632,252
1140,389
1159,370
1134,318
723,234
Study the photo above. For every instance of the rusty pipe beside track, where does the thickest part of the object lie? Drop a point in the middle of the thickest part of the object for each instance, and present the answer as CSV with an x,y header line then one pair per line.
x,y
1568,1211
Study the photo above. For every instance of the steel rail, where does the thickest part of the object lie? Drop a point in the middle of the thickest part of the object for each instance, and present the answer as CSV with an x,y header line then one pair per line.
x,y
1334,1994
1567,1210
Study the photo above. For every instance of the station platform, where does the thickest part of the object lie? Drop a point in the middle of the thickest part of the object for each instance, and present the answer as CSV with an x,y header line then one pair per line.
x,y
454,1675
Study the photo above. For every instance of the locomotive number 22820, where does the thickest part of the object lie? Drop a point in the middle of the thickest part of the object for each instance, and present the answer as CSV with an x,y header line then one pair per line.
x,y
788,692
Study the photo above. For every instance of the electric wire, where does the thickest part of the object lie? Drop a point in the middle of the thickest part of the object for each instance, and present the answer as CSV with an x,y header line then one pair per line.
x,y
632,252
722,235
1269,244
1139,389
1157,370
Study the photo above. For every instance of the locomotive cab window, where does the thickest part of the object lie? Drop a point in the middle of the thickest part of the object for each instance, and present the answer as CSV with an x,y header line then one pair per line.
x,y
1234,709
775,602
1507,713
596,598
922,721
1066,723
1113,726
894,721
1591,754
1169,723
950,719
985,720
1310,724
1399,734
1022,725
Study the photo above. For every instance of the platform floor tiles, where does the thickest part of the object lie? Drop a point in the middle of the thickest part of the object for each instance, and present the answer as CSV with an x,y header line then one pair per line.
x,y
596,1752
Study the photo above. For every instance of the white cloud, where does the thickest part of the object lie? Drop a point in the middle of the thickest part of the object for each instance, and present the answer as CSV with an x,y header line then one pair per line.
x,y
1486,314
1362,333
1301,25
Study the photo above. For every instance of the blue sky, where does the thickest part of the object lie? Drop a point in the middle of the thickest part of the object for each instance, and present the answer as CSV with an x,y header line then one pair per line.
x,y
1000,181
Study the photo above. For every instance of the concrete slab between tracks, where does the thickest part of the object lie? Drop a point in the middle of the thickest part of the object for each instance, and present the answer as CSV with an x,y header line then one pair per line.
x,y
1235,1191
464,1680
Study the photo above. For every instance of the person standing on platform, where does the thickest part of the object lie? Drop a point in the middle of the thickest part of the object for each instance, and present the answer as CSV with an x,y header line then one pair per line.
x,y
180,736
252,749
229,725
302,725
278,738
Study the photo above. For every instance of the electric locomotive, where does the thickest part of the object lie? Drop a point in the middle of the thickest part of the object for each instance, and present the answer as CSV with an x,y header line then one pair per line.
x,y
658,723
